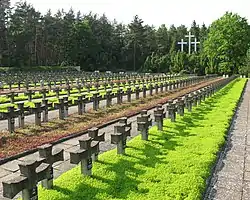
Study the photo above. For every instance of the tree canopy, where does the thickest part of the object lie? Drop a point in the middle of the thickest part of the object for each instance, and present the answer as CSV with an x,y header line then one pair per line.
x,y
227,44
69,38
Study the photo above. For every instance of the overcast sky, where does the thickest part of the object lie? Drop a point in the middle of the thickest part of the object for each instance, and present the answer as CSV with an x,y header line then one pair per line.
x,y
154,12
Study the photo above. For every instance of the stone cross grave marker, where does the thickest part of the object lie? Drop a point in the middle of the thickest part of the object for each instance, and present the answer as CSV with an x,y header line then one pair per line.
x,y
119,137
10,115
12,96
137,92
84,155
171,107
96,100
47,156
81,100
47,105
67,103
22,110
43,91
37,110
159,115
109,96
31,172
119,95
128,93
60,106
143,123
96,136
29,93
180,106
57,90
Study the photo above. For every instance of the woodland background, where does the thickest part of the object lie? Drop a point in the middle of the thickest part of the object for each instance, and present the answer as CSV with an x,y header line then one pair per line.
x,y
69,38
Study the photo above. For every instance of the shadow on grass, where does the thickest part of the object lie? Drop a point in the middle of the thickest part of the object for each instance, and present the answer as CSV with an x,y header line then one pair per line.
x,y
139,159
193,119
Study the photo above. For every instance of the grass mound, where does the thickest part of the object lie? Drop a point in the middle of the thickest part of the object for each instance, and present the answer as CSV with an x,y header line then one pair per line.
x,y
173,164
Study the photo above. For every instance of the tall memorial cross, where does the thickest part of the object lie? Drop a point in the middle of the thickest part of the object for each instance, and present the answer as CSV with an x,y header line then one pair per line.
x,y
182,43
189,36
195,44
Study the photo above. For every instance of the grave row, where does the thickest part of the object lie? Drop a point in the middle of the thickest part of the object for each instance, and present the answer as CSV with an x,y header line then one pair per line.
x,y
41,109
32,172
28,80
79,86
77,83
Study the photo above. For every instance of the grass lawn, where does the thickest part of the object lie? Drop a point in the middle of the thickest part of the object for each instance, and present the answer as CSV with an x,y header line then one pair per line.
x,y
173,164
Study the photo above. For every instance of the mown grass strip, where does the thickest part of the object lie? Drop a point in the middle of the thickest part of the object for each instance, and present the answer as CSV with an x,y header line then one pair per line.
x,y
173,164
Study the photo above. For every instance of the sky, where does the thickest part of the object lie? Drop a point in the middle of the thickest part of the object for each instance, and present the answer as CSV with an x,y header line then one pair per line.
x,y
154,12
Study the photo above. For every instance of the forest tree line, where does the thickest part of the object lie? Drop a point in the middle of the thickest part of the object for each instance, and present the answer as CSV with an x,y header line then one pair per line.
x,y
28,38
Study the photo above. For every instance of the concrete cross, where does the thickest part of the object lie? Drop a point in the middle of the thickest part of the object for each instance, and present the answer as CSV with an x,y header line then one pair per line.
x,y
182,43
171,107
10,115
119,137
137,92
93,133
79,88
83,155
57,90
109,96
159,115
119,95
189,36
180,106
46,104
38,109
143,123
31,173
195,44
96,100
67,103
128,93
47,156
22,109
43,91
81,104
12,96
29,93
144,91
60,106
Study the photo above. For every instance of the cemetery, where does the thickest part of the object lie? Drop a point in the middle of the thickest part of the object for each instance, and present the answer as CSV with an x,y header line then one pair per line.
x,y
101,110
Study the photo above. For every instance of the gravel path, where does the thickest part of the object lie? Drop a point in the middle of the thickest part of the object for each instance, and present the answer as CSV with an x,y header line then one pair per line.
x,y
231,178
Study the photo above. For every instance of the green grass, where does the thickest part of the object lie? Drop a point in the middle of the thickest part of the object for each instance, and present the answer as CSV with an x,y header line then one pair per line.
x,y
173,164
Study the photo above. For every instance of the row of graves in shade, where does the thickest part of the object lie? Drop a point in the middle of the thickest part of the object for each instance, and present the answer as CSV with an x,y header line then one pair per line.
x,y
32,172
34,80
41,109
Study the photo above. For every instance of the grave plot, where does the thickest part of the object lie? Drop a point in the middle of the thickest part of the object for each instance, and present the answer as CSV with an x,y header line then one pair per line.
x,y
74,90
30,137
23,184
19,82
173,163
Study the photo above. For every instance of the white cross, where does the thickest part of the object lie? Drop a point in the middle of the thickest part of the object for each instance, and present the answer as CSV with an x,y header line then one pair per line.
x,y
195,44
182,44
189,36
